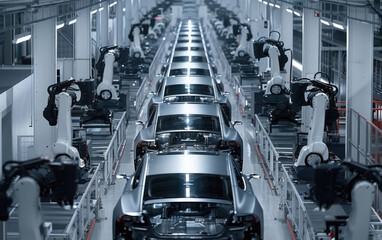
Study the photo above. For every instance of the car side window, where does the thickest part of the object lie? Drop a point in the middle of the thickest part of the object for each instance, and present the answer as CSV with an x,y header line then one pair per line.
x,y
151,118
238,175
137,175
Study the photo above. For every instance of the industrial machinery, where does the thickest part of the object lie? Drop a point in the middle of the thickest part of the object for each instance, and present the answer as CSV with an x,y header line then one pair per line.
x,y
105,67
274,49
62,96
241,52
321,97
330,187
136,52
34,178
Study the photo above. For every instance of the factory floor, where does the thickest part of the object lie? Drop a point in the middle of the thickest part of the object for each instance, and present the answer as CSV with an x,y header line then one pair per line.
x,y
275,227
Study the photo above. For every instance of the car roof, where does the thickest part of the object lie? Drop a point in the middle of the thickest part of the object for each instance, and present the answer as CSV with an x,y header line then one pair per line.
x,y
166,109
189,53
180,65
188,162
189,80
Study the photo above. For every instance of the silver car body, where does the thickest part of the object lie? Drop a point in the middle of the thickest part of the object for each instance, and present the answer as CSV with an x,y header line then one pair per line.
x,y
207,82
229,137
132,203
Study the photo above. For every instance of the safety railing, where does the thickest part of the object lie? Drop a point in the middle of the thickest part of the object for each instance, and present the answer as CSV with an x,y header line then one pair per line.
x,y
364,145
154,69
240,94
87,211
294,208
113,150
268,150
222,63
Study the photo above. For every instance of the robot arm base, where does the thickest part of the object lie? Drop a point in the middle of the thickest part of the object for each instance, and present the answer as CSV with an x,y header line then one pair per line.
x,y
313,153
106,91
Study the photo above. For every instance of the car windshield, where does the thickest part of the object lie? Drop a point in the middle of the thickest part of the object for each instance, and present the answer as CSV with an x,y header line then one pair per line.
x,y
188,185
189,49
198,89
190,122
188,40
189,72
189,59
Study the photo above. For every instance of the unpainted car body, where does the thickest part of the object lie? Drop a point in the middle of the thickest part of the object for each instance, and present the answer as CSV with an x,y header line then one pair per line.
x,y
188,195
183,125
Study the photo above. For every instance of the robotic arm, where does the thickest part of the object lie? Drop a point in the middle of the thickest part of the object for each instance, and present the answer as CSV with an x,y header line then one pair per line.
x,y
106,90
62,97
37,177
331,187
274,49
319,97
134,36
245,36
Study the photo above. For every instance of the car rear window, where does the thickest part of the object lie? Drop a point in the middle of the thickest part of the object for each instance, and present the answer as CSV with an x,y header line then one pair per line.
x,y
198,89
189,72
190,122
189,48
189,59
188,185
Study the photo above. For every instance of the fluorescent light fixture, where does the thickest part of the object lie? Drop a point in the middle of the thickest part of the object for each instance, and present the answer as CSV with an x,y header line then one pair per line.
x,y
73,21
260,0
100,9
265,2
297,13
60,25
123,9
325,22
93,12
339,26
277,6
271,4
21,38
297,65
289,10
112,4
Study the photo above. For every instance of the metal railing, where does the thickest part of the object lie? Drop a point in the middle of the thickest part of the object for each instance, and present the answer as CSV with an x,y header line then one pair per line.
x,y
86,211
111,154
154,69
364,145
268,150
294,208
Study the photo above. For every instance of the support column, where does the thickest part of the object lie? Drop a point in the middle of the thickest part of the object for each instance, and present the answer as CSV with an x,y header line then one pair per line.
x,y
119,15
44,47
128,20
135,11
359,65
102,25
82,47
287,36
311,56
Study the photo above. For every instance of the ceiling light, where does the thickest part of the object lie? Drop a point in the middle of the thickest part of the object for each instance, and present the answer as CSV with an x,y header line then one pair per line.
x,y
93,12
260,0
271,4
21,38
339,26
60,25
74,20
289,10
277,6
112,4
123,9
297,13
100,9
265,2
325,22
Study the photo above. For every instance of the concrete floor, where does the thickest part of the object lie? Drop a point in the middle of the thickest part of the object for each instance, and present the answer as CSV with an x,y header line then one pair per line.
x,y
275,226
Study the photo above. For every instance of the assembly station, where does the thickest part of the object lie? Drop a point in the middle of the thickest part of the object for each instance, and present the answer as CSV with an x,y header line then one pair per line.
x,y
190,119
